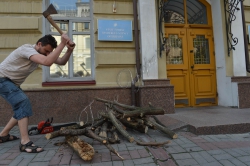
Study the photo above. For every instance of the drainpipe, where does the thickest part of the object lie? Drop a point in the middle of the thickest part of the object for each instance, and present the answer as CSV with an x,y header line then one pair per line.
x,y
138,69
245,38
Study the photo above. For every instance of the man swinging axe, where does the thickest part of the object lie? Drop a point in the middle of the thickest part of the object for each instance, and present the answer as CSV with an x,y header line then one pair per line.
x,y
15,69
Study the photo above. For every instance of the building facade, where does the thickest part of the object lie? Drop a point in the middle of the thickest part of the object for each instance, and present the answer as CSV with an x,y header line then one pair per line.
x,y
182,53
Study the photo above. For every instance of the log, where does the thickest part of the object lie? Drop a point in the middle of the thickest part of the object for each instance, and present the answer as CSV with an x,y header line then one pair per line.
x,y
83,149
165,130
103,132
64,132
118,127
91,134
142,112
116,103
115,136
149,124
135,125
107,116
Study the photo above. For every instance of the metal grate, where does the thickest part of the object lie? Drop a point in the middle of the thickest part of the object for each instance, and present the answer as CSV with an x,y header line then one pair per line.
x,y
201,50
174,51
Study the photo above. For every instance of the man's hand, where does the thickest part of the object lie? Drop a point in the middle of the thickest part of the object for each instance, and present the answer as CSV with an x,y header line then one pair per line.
x,y
70,47
65,39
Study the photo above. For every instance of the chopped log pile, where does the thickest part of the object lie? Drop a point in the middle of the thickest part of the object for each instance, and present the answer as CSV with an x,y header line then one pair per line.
x,y
115,119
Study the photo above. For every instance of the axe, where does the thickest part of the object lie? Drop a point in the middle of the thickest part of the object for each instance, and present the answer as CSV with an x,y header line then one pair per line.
x,y
51,10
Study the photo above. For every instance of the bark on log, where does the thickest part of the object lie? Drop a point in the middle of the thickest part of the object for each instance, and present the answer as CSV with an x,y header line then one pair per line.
x,y
118,127
105,115
64,132
116,103
170,133
103,132
83,149
135,125
91,134
142,112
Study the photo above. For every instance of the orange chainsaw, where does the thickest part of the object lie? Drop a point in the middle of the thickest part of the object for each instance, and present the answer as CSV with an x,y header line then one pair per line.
x,y
45,127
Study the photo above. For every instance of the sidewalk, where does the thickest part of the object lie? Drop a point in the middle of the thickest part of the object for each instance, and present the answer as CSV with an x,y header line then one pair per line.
x,y
187,149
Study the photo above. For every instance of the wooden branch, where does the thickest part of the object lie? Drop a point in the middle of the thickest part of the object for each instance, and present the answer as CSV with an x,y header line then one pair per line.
x,y
107,116
83,149
64,132
116,103
148,123
103,132
170,133
97,130
115,136
144,111
99,123
118,127
135,125
91,134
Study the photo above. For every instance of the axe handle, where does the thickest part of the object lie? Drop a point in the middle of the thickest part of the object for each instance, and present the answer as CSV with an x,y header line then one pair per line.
x,y
52,22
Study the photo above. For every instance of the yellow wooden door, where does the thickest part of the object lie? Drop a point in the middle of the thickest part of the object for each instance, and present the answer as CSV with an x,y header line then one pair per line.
x,y
202,67
178,64
191,66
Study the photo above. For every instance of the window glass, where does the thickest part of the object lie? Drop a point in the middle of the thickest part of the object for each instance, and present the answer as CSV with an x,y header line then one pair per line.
x,y
174,50
71,8
81,27
57,71
79,65
196,12
201,50
174,12
81,54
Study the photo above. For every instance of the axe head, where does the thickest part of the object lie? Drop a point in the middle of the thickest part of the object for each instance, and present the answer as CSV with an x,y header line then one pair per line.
x,y
51,10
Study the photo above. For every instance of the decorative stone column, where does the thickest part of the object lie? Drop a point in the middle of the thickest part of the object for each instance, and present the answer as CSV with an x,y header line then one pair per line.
x,y
148,38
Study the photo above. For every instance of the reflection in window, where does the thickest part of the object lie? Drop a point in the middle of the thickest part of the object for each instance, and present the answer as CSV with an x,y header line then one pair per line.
x,y
201,50
174,12
174,50
197,12
72,8
81,54
79,66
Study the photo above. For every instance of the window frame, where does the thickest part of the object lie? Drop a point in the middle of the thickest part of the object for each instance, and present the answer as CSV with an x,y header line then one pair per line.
x,y
71,32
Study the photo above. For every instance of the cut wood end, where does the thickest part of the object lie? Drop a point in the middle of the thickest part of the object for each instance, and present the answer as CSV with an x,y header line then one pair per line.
x,y
81,123
146,129
47,136
175,136
131,139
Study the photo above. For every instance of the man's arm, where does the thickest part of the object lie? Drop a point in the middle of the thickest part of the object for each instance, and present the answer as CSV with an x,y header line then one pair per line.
x,y
64,59
53,56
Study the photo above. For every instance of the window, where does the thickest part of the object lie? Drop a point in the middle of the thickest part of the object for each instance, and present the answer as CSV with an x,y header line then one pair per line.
x,y
74,18
175,12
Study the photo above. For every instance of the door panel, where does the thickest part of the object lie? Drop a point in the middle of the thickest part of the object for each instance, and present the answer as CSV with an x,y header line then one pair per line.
x,y
191,66
202,67
177,64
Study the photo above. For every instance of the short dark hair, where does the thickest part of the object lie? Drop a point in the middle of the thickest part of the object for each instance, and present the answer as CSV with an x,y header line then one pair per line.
x,y
48,39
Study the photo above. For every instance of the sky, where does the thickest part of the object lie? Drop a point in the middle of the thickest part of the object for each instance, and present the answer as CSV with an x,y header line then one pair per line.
x,y
68,4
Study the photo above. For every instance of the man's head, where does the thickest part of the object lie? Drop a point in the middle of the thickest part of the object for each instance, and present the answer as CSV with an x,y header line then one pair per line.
x,y
46,44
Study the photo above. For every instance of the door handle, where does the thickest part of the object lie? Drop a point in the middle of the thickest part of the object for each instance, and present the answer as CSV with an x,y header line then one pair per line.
x,y
192,67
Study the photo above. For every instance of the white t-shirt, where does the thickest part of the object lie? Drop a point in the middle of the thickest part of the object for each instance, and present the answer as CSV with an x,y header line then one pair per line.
x,y
17,66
